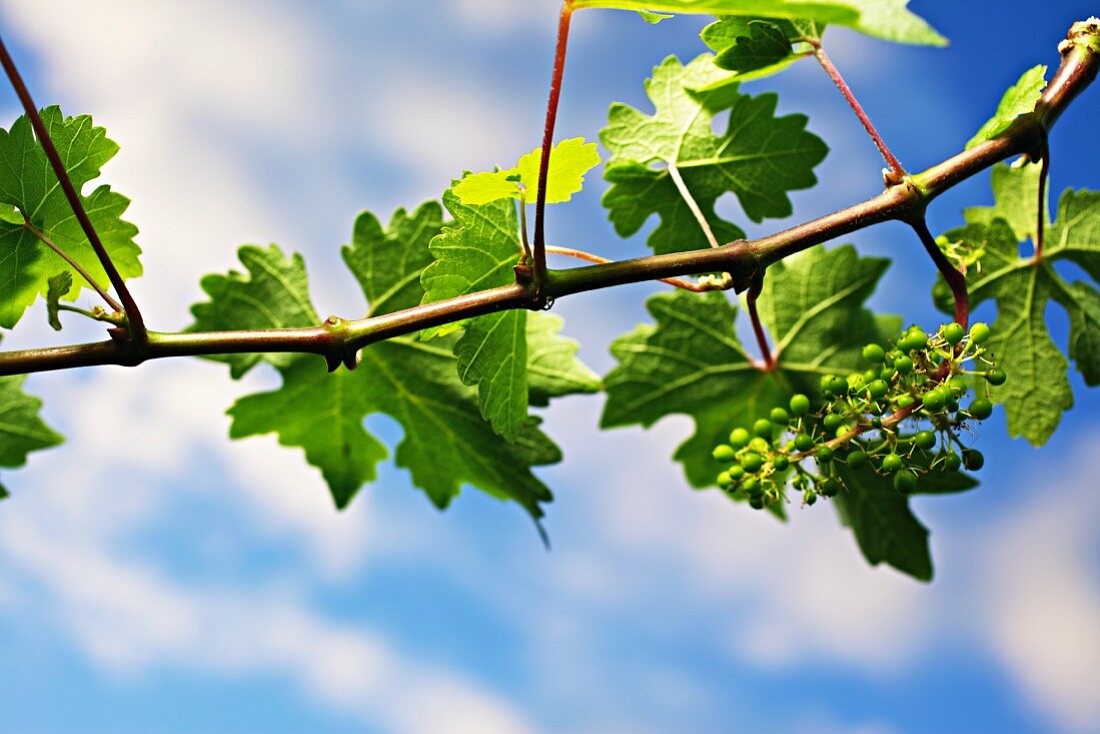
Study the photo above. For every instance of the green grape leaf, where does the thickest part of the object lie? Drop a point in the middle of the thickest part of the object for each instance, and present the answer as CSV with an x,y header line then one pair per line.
x,y
273,295
446,443
885,528
58,288
886,19
569,161
753,48
1018,100
553,369
760,158
480,252
1017,200
36,210
21,430
1038,390
653,18
691,361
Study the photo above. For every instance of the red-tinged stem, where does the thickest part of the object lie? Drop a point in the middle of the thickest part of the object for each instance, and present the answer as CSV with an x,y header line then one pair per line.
x,y
758,328
955,280
589,257
1041,225
834,74
136,326
547,144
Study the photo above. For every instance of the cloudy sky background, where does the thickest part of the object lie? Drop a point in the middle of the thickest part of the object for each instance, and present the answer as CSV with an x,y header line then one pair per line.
x,y
156,577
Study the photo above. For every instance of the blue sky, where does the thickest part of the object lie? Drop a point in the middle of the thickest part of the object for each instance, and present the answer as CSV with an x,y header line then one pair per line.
x,y
190,584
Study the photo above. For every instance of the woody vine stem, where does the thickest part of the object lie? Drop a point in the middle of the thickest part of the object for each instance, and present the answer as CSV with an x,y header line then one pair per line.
x,y
905,199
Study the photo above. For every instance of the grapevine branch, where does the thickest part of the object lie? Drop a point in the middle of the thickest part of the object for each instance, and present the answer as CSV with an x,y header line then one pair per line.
x,y
339,341
955,280
135,323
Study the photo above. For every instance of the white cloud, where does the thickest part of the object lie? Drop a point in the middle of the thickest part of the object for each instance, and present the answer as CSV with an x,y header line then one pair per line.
x,y
129,616
1040,593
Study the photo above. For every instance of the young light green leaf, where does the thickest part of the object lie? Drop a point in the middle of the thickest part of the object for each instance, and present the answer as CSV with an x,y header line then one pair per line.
x,y
446,442
37,211
569,161
653,18
59,286
887,19
760,158
1018,100
21,430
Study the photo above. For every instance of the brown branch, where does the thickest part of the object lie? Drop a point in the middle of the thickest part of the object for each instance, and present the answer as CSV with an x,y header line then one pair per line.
x,y
742,259
136,326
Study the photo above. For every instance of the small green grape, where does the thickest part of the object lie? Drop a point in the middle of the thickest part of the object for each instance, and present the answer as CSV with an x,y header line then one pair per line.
x,y
809,497
739,437
832,421
892,462
751,485
803,442
973,459
824,454
762,428
904,401
829,487
752,462
979,333
759,445
855,381
878,389
886,373
996,376
724,453
873,353
952,462
905,481
800,404
857,459
781,462
756,502
725,481
903,364
981,409
736,472
953,333
925,439
780,416
933,400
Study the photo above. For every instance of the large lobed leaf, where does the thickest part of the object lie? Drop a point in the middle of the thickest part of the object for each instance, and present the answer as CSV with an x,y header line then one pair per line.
x,y
690,361
760,158
446,443
886,19
31,199
1038,389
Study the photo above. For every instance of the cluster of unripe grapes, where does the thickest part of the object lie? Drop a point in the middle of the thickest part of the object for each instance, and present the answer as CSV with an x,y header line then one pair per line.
x,y
921,383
